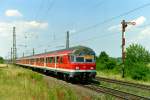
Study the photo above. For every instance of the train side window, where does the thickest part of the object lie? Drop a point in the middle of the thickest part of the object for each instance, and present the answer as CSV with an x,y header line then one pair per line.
x,y
47,59
57,59
42,60
72,58
51,59
36,59
61,60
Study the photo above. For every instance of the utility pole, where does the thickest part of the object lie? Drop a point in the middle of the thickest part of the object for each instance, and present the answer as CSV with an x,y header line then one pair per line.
x,y
33,51
23,54
11,54
67,40
45,50
14,45
124,25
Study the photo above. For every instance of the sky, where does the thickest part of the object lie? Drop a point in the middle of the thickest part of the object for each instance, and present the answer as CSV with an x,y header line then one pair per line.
x,y
42,24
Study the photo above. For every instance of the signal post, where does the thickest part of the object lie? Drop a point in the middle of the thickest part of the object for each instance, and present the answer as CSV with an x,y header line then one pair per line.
x,y
124,26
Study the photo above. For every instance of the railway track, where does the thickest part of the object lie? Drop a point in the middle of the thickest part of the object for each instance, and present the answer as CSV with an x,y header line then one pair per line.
x,y
114,92
141,86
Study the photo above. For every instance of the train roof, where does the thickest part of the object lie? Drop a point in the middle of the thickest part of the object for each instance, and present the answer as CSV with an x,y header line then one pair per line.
x,y
77,50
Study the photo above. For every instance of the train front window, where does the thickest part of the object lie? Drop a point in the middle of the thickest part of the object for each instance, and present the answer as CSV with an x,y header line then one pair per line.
x,y
88,60
79,59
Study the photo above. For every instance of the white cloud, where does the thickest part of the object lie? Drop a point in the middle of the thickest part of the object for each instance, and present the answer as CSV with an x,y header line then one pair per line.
x,y
35,24
139,21
13,13
145,33
32,28
115,27
22,26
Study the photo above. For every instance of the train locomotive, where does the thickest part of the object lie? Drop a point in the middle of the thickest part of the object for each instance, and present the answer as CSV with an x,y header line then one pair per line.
x,y
75,62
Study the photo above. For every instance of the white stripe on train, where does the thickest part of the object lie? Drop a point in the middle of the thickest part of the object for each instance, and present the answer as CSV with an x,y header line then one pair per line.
x,y
57,69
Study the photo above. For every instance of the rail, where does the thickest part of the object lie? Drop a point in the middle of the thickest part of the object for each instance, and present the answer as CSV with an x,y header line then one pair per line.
x,y
114,92
141,86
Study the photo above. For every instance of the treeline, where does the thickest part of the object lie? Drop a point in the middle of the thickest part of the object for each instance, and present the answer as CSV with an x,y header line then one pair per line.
x,y
137,63
1,60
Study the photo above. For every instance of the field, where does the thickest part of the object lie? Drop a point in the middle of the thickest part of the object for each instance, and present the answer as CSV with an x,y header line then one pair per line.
x,y
17,83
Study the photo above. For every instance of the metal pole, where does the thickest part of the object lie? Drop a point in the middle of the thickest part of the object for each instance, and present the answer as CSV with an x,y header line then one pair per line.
x,y
23,54
14,45
45,50
67,40
33,51
11,55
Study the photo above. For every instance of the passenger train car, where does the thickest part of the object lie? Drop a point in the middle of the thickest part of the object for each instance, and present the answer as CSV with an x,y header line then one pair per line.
x,y
76,62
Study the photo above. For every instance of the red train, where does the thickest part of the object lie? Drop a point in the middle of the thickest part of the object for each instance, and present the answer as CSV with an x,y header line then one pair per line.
x,y
76,62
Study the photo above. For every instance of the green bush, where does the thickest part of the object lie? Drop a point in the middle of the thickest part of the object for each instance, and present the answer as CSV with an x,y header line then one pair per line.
x,y
1,60
110,64
99,66
139,71
136,53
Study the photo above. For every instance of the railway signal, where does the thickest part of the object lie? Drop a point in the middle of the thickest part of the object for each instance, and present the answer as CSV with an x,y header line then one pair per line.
x,y
124,26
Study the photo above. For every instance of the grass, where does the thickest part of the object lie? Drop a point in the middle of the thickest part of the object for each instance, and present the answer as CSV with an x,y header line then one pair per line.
x,y
118,76
116,73
128,89
17,83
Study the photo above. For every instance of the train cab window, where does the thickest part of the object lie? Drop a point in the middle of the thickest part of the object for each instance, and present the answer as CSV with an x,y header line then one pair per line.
x,y
79,59
88,60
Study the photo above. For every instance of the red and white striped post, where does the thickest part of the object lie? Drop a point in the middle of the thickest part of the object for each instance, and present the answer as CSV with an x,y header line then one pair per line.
x,y
124,25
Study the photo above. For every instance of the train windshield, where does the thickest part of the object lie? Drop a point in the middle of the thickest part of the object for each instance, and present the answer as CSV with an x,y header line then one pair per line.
x,y
83,54
81,59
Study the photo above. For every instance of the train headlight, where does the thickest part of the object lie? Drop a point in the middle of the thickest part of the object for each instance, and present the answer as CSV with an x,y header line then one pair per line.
x,y
92,67
77,68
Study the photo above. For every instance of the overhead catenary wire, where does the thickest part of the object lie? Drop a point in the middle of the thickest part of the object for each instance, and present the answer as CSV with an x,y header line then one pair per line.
x,y
94,38
107,20
111,19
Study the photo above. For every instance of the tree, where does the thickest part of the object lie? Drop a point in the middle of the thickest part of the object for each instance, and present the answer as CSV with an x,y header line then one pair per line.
x,y
136,53
1,60
137,58
103,57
